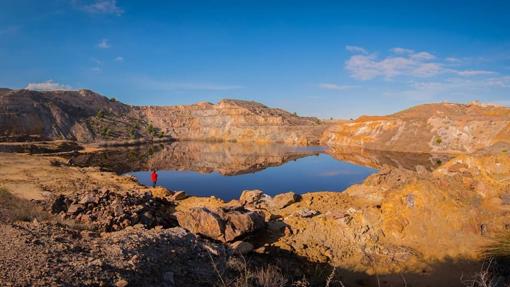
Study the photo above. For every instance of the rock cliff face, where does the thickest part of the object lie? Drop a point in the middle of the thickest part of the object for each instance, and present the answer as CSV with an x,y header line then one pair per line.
x,y
75,115
430,128
89,117
234,120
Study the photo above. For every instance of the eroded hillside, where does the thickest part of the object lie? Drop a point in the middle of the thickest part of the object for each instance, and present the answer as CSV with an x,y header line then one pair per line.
x,y
431,128
86,116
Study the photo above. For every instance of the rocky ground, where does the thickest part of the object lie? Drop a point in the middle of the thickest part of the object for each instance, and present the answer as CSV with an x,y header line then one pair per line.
x,y
94,227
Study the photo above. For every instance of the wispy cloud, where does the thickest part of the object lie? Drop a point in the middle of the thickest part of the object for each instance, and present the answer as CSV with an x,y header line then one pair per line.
x,y
402,62
471,72
101,7
452,88
49,85
104,44
119,59
356,49
335,87
98,65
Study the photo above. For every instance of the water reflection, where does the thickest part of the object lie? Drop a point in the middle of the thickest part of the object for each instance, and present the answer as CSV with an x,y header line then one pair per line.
x,y
203,157
225,169
377,159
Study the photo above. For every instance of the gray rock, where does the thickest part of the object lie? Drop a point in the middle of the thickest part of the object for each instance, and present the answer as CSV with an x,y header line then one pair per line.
x,y
89,198
307,213
410,200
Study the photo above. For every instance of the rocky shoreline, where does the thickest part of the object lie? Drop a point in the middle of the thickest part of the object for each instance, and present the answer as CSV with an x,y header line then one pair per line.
x,y
377,227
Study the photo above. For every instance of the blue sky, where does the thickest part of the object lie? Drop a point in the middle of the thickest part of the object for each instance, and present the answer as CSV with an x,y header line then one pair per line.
x,y
322,58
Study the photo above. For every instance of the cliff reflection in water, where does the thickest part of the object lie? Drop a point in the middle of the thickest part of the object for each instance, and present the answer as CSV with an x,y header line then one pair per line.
x,y
203,157
226,169
377,159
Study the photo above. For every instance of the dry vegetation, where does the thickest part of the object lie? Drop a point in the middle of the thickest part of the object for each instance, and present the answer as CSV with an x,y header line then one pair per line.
x,y
13,208
496,270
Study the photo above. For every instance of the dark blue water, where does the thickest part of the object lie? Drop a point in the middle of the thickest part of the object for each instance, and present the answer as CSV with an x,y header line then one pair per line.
x,y
306,174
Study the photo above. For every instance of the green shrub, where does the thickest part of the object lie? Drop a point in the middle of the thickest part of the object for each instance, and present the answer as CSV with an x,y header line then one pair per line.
x,y
133,133
439,140
100,114
105,132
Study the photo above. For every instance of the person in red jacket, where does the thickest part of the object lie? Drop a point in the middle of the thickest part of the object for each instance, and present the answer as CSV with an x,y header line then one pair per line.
x,y
154,177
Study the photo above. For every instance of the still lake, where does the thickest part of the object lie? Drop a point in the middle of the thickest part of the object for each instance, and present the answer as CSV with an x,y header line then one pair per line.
x,y
311,173
224,170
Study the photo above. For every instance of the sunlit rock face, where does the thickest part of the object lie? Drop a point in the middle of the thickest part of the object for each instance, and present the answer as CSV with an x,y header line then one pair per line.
x,y
86,116
234,120
81,115
431,128
204,157
400,220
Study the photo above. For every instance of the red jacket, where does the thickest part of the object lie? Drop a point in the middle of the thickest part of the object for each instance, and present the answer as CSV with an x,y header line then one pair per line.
x,y
154,176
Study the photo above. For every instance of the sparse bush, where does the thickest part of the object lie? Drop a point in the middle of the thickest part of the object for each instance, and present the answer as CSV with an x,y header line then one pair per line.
x,y
239,273
105,132
496,270
500,248
269,276
153,131
13,208
133,133
439,140
113,100
100,114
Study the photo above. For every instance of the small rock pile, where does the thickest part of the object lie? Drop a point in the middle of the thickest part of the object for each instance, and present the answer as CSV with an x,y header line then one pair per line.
x,y
105,210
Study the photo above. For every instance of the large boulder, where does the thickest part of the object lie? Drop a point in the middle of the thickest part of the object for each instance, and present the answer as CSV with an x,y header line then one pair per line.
x,y
222,224
284,199
250,196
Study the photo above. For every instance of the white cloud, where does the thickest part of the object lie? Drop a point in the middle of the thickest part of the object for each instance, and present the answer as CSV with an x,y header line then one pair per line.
x,y
104,44
453,60
401,50
499,82
406,63
102,7
472,72
331,86
119,59
356,49
49,85
366,67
